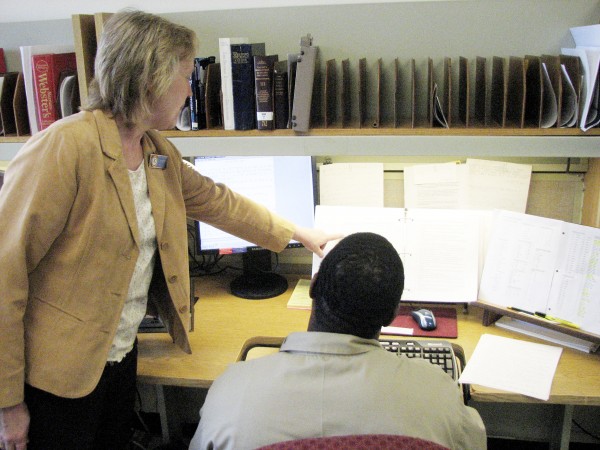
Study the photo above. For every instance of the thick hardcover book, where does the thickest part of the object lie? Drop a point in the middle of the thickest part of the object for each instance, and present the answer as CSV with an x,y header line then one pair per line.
x,y
198,87
214,117
280,95
47,69
242,81
226,86
263,88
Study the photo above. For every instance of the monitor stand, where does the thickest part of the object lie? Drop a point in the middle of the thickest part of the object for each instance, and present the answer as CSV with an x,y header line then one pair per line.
x,y
258,281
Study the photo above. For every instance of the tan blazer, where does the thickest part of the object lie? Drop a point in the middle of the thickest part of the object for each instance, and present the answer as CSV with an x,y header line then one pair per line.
x,y
69,242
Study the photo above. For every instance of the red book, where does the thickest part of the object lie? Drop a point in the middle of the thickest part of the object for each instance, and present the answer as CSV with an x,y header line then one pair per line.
x,y
2,61
47,69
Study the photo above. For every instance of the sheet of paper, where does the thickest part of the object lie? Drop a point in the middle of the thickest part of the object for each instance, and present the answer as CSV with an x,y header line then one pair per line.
x,y
544,265
397,331
300,298
497,185
351,184
590,58
439,248
512,365
478,184
575,292
586,36
570,105
550,104
520,261
433,185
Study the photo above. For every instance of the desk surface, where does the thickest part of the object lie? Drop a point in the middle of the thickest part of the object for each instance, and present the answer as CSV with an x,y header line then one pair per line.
x,y
223,323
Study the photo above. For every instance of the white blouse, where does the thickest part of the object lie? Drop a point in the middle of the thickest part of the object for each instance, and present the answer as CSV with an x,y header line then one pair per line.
x,y
137,298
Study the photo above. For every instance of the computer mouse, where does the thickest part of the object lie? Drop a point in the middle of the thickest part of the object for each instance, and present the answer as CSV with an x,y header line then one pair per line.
x,y
424,318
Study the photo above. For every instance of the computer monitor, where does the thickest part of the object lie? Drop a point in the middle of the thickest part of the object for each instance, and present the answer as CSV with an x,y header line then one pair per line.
x,y
285,185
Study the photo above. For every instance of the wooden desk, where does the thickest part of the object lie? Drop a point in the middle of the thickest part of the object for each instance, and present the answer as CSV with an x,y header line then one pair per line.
x,y
223,323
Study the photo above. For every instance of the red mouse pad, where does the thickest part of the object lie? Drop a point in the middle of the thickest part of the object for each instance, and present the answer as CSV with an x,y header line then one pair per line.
x,y
445,319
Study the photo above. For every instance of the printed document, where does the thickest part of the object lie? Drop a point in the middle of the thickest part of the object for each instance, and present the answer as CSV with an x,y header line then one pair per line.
x,y
512,365
543,265
351,184
477,184
438,247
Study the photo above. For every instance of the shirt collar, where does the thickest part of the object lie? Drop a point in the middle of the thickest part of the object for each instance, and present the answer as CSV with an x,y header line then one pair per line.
x,y
328,343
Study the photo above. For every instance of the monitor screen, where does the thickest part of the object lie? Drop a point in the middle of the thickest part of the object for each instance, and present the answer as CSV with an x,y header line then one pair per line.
x,y
285,185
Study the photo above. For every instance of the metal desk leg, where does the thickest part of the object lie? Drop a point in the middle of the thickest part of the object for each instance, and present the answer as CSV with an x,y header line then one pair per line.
x,y
162,412
562,435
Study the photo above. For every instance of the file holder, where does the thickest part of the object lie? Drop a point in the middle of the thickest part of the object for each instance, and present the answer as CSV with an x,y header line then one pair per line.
x,y
346,94
330,93
303,90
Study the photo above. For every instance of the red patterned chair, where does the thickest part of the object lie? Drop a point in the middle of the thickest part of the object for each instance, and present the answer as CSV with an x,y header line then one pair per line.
x,y
357,442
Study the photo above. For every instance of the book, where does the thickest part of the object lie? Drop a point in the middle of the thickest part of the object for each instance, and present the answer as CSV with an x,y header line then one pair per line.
x,y
214,116
292,66
47,69
280,94
226,85
2,61
27,52
242,83
545,267
198,97
263,86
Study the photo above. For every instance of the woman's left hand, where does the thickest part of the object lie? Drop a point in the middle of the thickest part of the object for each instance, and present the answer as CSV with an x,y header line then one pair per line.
x,y
314,239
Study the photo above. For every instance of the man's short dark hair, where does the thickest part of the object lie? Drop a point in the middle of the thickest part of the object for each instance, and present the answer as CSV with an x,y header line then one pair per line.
x,y
358,286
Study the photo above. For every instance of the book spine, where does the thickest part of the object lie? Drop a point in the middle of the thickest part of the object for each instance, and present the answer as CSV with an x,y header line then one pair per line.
x,y
2,61
280,95
263,83
45,95
242,80
226,87
199,90
47,69
226,83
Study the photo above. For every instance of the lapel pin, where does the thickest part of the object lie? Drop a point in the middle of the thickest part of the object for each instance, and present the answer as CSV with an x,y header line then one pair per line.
x,y
158,161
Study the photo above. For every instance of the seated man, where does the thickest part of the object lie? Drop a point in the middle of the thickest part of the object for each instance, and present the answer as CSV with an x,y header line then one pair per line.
x,y
336,379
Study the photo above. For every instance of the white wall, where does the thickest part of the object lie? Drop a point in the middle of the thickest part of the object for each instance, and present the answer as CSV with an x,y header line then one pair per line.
x,y
29,10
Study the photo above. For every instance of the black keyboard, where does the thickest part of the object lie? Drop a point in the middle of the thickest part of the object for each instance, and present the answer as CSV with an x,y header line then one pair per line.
x,y
440,353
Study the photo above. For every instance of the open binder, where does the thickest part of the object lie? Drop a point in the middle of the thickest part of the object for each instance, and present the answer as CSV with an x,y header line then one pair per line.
x,y
543,271
439,247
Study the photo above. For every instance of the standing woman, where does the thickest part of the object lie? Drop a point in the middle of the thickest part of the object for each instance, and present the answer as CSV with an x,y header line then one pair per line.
x,y
93,218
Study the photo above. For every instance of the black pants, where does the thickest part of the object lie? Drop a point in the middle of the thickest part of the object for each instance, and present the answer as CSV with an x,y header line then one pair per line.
x,y
99,421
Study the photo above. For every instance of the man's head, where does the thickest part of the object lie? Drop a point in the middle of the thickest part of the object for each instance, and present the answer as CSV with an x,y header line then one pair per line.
x,y
358,287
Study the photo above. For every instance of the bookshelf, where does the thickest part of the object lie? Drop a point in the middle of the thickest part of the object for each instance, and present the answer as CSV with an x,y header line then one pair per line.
x,y
373,30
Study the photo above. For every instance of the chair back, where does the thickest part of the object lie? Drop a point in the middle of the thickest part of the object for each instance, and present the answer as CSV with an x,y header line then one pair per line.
x,y
357,442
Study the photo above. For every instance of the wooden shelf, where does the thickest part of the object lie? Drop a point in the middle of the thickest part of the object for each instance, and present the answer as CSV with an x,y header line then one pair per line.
x,y
460,142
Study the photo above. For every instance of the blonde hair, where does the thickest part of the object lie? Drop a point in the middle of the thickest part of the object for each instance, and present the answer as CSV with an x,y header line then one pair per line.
x,y
137,58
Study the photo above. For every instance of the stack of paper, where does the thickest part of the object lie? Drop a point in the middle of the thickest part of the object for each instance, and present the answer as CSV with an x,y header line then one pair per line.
x,y
587,48
531,329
